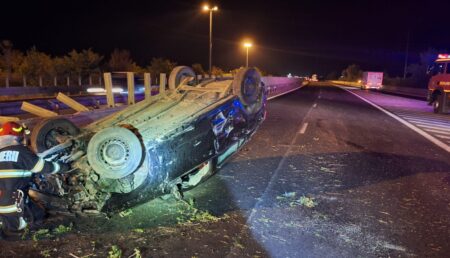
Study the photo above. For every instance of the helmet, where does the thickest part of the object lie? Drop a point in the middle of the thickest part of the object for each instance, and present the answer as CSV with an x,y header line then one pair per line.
x,y
12,128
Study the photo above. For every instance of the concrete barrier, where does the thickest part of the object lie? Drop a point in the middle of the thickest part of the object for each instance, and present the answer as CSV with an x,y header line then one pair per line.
x,y
278,86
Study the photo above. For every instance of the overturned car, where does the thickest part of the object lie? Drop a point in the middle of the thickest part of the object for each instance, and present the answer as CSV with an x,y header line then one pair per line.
x,y
166,144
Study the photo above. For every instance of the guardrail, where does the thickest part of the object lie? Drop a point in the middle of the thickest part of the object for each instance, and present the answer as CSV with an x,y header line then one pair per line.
x,y
396,90
345,83
276,87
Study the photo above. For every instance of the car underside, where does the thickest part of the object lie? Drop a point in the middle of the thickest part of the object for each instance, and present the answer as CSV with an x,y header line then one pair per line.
x,y
166,144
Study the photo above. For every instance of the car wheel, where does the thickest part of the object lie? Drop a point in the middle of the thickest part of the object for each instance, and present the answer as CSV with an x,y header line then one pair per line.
x,y
247,86
115,152
45,134
438,104
178,74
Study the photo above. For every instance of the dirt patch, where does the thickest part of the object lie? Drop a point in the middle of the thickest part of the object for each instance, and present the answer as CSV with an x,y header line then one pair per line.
x,y
184,231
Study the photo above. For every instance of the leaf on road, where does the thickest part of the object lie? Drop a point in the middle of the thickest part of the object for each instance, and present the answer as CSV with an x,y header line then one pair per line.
x,y
307,202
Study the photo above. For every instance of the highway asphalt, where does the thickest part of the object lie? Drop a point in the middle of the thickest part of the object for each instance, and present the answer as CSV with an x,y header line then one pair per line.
x,y
328,175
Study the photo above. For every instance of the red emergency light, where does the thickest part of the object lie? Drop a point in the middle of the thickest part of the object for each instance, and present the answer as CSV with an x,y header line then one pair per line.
x,y
443,56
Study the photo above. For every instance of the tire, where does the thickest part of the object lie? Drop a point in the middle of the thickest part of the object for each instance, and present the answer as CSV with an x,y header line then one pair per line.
x,y
115,152
43,135
178,74
438,104
248,87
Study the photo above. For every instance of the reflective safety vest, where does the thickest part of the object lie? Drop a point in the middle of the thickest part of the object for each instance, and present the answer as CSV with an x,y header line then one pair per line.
x,y
17,165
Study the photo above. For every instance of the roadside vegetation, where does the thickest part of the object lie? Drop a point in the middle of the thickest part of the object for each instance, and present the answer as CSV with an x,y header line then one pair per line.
x,y
77,67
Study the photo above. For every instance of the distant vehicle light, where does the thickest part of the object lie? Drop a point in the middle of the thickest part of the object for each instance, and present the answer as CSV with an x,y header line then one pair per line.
x,y
443,56
102,90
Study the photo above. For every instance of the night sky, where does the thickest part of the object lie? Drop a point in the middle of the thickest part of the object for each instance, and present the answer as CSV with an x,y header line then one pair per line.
x,y
300,37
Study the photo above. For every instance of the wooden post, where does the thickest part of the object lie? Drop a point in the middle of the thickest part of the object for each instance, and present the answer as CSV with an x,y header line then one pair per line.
x,y
68,80
4,119
38,111
130,84
79,80
40,81
90,80
55,81
24,81
100,80
71,103
7,81
162,83
108,87
147,85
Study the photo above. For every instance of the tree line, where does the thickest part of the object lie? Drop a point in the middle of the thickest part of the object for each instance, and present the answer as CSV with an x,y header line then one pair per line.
x,y
416,74
36,68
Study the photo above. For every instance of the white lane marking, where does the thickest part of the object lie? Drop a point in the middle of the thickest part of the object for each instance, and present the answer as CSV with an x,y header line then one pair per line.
x,y
428,120
315,105
437,131
258,203
421,121
406,123
441,128
303,129
443,136
286,155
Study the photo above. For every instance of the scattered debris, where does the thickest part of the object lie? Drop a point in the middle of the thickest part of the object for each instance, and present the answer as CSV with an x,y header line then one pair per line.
x,y
307,202
115,252
40,233
289,194
136,254
61,229
45,253
125,213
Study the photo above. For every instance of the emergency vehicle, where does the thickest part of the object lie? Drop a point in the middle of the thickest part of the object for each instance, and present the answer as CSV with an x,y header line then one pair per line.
x,y
439,84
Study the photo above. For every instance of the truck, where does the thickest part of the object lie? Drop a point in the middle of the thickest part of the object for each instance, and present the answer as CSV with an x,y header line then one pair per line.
x,y
439,84
372,80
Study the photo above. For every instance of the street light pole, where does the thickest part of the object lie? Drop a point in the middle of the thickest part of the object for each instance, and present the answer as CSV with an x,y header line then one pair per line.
x,y
210,40
246,64
247,45
210,10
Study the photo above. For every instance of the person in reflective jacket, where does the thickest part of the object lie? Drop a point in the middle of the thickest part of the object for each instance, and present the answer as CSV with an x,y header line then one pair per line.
x,y
17,166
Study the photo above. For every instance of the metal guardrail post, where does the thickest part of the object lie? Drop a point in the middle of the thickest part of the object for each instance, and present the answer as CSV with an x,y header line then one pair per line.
x,y
130,84
108,87
38,111
71,103
162,83
147,85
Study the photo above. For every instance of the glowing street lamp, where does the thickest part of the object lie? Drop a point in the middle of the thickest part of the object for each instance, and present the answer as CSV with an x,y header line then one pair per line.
x,y
207,8
247,45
